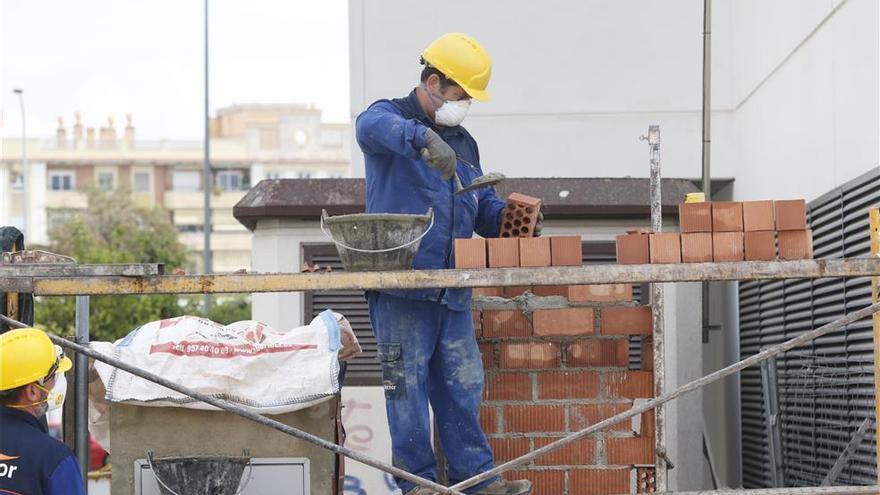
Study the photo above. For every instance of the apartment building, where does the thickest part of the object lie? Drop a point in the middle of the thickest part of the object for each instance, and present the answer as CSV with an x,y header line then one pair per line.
x,y
249,143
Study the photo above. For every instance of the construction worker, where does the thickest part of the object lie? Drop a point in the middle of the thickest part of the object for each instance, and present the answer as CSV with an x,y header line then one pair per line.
x,y
412,148
32,383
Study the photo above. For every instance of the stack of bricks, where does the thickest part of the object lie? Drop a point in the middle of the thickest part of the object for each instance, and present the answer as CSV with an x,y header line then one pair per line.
x,y
555,371
520,216
512,252
725,232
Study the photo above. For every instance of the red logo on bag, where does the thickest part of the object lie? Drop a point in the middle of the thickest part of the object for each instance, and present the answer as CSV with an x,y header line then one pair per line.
x,y
192,348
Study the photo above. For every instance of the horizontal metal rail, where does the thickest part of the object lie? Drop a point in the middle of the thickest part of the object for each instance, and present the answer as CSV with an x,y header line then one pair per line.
x,y
425,279
238,410
76,270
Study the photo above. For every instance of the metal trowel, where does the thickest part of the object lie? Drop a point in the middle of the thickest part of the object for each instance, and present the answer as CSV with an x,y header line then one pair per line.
x,y
490,179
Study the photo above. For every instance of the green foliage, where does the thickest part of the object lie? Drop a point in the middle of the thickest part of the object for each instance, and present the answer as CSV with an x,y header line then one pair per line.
x,y
113,230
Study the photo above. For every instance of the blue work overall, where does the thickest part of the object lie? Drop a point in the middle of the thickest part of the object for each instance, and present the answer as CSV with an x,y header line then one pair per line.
x,y
426,337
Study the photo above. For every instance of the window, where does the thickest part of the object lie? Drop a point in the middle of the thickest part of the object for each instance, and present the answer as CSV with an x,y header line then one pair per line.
x,y
185,181
57,218
141,182
61,180
17,181
304,175
229,180
105,181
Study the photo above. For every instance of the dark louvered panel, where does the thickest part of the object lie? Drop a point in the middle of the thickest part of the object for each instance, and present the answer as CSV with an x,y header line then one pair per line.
x,y
825,388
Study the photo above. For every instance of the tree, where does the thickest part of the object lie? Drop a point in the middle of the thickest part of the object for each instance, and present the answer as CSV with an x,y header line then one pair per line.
x,y
112,229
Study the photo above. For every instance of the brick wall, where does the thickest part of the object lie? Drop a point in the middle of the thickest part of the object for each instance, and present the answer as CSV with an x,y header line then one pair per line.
x,y
553,371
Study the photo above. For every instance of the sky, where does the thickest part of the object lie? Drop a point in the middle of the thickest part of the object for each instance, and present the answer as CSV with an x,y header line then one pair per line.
x,y
146,57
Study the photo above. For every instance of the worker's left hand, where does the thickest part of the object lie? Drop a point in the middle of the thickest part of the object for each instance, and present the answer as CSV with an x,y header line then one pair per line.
x,y
539,225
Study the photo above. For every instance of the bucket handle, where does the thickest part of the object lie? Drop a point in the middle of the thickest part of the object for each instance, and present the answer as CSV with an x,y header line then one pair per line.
x,y
250,466
410,243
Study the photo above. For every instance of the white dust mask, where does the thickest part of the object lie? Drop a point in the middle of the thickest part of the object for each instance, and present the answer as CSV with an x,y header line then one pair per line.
x,y
449,113
55,397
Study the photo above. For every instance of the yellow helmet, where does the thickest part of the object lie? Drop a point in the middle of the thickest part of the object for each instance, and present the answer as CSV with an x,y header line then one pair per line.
x,y
26,356
462,59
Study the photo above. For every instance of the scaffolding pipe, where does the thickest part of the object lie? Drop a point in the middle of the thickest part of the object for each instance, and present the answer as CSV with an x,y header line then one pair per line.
x,y
810,490
688,387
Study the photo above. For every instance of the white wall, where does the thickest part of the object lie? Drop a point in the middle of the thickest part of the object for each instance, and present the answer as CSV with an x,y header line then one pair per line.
x,y
575,83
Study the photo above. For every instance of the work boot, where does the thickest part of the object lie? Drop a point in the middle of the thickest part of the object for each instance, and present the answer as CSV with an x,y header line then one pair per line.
x,y
421,490
505,487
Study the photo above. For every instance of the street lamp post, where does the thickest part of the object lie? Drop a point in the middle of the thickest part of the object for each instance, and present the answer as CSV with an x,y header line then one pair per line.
x,y
24,162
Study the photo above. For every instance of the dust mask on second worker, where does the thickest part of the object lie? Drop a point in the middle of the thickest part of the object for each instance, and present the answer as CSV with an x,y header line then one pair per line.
x,y
449,113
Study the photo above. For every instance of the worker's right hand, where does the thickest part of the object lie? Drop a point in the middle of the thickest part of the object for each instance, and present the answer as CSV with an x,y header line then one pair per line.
x,y
438,154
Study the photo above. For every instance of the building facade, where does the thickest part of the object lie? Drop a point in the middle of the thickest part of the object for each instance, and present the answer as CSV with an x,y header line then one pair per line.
x,y
249,143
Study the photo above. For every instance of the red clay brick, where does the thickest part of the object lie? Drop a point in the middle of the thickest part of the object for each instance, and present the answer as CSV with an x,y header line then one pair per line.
x,y
508,386
599,481
758,216
665,248
563,322
520,216
551,290
728,246
544,482
627,321
566,251
631,384
488,354
487,292
568,384
598,352
600,293
488,417
506,449
580,452
727,216
648,424
505,323
529,355
470,253
524,200
795,244
760,245
503,253
582,416
633,249
648,354
531,418
695,217
534,251
791,215
629,451
515,291
696,247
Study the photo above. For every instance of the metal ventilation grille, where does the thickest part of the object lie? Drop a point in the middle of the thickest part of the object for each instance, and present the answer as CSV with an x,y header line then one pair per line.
x,y
826,388
365,369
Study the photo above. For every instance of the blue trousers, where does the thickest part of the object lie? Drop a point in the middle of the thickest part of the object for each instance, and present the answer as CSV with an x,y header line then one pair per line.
x,y
429,354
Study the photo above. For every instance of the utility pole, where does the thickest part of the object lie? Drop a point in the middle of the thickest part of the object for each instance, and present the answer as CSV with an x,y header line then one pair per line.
x,y
24,163
208,179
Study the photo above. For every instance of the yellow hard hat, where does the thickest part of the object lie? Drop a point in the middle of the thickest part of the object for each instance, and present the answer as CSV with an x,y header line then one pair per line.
x,y
26,356
462,59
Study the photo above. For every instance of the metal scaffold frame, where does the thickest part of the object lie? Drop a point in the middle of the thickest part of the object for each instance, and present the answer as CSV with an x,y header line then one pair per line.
x,y
83,281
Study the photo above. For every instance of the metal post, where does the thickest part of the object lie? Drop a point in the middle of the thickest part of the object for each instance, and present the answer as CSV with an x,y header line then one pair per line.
x,y
24,163
81,384
770,383
208,179
874,222
707,97
653,139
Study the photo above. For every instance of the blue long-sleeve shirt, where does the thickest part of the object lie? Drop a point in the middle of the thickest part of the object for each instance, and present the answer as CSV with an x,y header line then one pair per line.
x,y
31,461
391,134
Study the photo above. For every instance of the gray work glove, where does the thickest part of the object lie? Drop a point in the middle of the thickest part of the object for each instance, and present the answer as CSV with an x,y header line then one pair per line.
x,y
438,154
539,225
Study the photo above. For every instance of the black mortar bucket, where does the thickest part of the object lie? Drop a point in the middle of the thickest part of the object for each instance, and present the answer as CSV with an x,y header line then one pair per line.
x,y
219,475
377,241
